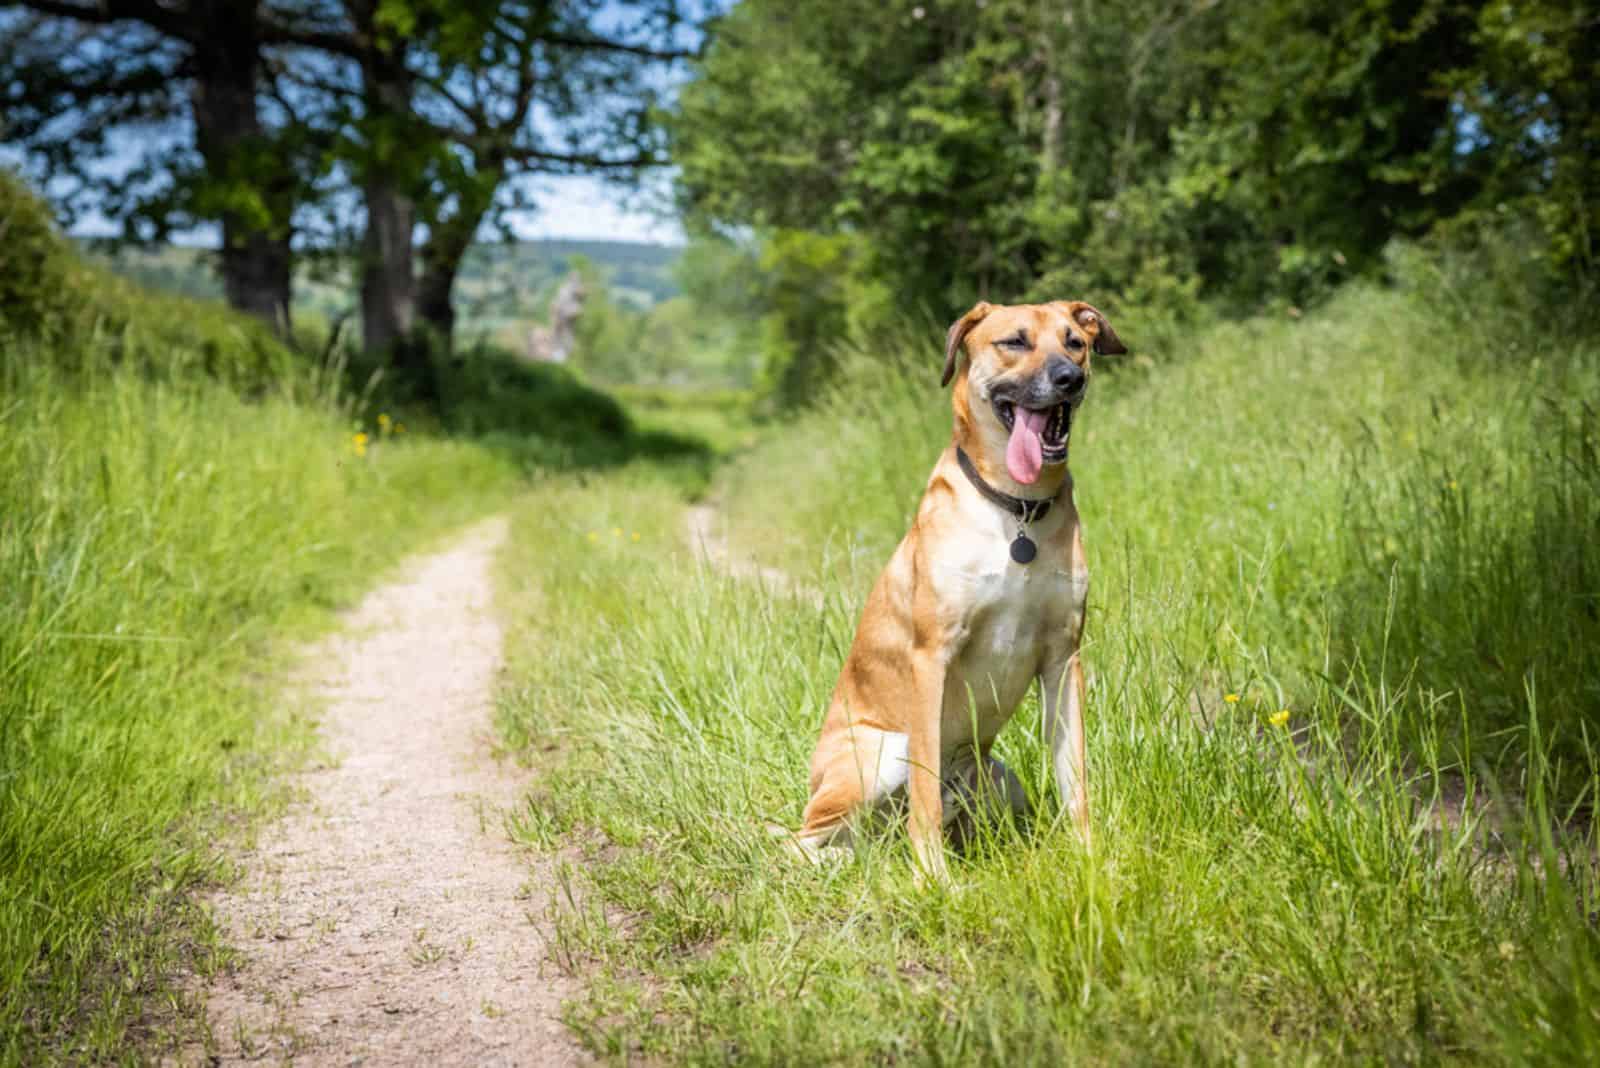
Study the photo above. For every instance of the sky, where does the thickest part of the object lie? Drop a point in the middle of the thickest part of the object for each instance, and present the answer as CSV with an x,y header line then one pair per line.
x,y
591,208
575,207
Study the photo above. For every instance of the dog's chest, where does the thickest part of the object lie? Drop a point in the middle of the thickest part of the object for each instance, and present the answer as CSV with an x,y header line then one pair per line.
x,y
1009,618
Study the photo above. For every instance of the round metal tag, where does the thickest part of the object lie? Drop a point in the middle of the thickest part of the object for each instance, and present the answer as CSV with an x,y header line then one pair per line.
x,y
1023,550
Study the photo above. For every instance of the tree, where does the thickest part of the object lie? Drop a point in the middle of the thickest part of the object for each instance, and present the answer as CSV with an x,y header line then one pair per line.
x,y
426,108
77,72
1162,154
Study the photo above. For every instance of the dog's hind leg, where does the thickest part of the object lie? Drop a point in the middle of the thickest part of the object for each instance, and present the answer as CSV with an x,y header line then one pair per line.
x,y
981,791
858,776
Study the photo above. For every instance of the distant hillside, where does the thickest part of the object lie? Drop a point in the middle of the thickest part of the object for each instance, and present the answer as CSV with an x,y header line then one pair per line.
x,y
501,289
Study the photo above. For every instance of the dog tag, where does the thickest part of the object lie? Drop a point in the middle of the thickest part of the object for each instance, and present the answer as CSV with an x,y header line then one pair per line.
x,y
1023,550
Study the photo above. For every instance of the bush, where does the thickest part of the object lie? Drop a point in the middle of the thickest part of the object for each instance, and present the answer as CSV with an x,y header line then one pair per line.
x,y
92,320
38,272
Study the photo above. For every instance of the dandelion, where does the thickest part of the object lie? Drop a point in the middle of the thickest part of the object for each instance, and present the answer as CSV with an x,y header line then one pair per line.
x,y
384,420
1231,698
635,536
1453,484
1279,718
616,532
594,535
360,440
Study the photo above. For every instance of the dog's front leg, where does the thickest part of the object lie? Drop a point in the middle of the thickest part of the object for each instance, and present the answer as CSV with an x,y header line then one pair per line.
x,y
1062,689
926,819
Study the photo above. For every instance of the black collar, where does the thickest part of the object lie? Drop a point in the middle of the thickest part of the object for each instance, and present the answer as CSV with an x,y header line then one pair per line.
x,y
1027,509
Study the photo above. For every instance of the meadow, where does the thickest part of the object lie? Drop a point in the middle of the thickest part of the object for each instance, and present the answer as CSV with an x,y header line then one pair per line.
x,y
1342,652
162,541
1342,646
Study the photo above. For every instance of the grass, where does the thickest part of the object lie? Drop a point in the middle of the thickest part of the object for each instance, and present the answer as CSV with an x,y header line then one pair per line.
x,y
158,537
179,493
1336,517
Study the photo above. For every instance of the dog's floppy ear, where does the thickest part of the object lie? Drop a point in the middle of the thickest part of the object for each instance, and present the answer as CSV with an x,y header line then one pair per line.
x,y
1106,342
958,334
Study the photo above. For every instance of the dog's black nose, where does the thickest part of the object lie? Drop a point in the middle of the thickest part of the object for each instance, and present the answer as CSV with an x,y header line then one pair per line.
x,y
1065,375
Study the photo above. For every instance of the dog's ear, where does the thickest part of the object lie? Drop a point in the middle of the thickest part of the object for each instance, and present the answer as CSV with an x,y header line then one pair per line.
x,y
958,334
1106,341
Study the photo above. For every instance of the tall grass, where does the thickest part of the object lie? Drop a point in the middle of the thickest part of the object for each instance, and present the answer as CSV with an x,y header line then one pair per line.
x,y
1392,482
1392,874
157,530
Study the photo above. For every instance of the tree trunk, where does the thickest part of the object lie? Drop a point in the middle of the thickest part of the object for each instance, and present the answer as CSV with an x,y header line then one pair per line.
x,y
388,281
448,242
388,290
252,192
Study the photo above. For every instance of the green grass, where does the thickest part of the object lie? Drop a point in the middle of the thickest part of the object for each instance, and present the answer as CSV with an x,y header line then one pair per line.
x,y
179,493
157,538
1380,518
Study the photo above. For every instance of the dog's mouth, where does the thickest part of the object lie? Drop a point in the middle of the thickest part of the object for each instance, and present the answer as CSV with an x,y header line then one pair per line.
x,y
1038,437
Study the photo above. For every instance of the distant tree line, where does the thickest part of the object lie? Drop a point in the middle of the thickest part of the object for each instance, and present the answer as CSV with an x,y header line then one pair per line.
x,y
280,121
1164,153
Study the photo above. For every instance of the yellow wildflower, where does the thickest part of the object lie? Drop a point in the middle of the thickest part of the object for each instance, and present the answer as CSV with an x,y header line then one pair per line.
x,y
616,532
636,535
1453,484
1231,698
383,420
399,428
360,441
1279,718
594,535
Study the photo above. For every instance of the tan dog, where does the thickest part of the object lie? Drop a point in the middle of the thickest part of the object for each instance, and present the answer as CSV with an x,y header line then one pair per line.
x,y
985,594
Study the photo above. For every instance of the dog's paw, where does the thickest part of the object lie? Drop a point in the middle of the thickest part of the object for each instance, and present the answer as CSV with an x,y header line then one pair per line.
x,y
806,848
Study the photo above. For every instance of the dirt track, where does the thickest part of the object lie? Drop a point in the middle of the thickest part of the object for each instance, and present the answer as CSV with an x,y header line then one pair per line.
x,y
388,919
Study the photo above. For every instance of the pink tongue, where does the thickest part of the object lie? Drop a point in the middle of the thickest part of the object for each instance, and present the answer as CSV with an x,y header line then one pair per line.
x,y
1025,452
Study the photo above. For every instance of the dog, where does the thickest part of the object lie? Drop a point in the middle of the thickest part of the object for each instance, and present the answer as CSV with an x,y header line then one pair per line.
x,y
985,594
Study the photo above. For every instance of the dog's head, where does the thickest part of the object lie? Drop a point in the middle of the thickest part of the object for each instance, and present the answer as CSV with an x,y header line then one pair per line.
x,y
1026,372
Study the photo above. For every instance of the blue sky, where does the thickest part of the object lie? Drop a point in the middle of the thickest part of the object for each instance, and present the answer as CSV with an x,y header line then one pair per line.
x,y
588,207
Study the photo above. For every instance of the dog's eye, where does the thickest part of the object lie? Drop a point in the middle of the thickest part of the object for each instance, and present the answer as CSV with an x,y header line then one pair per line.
x,y
1016,341
1074,342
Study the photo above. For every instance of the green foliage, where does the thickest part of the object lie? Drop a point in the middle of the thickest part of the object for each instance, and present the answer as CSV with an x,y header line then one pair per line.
x,y
1142,155
1389,876
157,536
1530,120
706,336
1442,521
37,270
88,319
546,418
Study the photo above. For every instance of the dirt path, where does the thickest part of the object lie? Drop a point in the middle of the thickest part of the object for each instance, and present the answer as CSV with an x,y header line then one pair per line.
x,y
703,526
387,919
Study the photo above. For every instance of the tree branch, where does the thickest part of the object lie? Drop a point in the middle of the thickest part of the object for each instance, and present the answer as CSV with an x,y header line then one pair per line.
x,y
104,13
601,44
581,159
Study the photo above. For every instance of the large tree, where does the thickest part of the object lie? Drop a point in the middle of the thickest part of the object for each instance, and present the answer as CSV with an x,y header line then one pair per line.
x,y
1162,151
427,110
91,83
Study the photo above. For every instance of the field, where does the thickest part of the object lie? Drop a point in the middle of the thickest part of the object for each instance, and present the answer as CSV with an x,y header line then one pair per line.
x,y
1342,649
160,541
